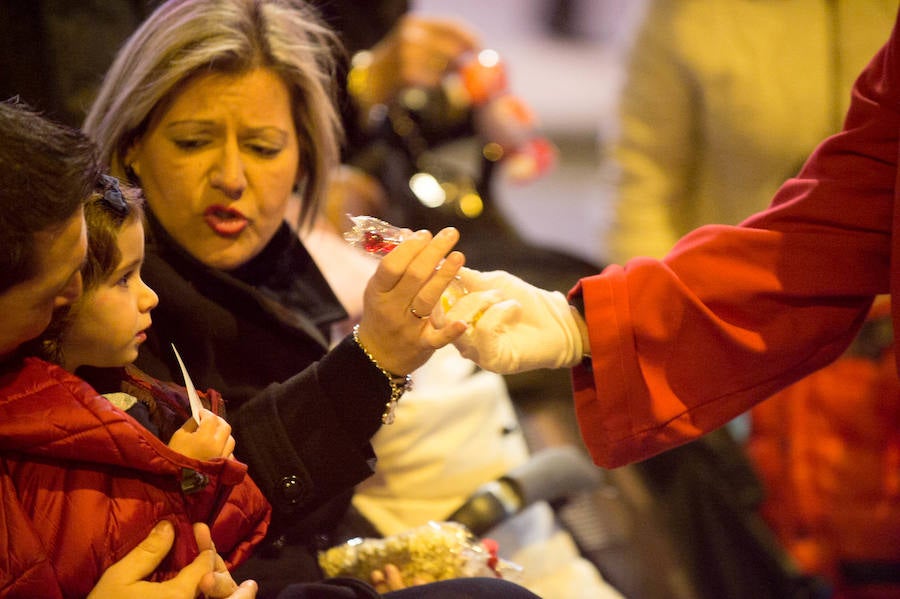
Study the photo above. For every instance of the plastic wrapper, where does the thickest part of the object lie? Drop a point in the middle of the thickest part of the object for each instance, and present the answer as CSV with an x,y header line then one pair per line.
x,y
435,551
377,238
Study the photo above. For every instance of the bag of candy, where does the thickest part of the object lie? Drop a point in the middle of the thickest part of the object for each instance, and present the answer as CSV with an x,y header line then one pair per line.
x,y
432,552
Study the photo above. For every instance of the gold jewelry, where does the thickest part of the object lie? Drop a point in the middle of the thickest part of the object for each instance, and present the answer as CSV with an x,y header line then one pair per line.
x,y
417,315
399,384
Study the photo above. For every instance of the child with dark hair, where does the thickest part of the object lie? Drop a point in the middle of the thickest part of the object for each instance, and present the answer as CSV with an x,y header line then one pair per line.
x,y
116,473
99,335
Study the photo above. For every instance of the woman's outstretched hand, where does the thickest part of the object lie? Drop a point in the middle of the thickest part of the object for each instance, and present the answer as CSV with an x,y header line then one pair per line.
x,y
396,327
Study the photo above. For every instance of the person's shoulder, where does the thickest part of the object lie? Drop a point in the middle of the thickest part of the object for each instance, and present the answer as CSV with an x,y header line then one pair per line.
x,y
34,382
37,376
31,372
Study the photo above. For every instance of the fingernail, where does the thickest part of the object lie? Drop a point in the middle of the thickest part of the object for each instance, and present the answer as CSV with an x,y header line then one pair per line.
x,y
162,526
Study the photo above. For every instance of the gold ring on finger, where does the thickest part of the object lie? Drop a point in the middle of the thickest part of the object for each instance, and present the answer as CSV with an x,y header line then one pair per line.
x,y
417,315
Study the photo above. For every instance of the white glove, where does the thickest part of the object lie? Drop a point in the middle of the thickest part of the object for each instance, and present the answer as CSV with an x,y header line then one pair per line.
x,y
530,328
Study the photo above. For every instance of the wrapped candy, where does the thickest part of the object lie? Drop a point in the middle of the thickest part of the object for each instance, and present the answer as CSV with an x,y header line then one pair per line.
x,y
432,552
373,236
377,237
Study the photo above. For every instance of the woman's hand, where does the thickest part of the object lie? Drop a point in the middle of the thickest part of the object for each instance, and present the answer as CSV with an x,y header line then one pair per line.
x,y
395,327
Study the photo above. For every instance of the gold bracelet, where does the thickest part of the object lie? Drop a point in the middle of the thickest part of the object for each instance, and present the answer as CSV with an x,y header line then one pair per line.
x,y
399,384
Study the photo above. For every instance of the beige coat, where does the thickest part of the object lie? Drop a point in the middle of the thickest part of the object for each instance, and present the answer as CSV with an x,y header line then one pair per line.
x,y
722,102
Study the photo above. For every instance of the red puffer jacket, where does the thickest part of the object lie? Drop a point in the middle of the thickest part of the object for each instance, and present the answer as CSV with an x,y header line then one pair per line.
x,y
82,483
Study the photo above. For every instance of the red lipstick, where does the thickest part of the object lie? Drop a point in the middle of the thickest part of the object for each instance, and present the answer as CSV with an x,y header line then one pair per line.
x,y
225,221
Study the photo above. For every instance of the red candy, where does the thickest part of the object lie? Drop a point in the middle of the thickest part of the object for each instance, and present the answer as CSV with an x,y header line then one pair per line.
x,y
374,243
379,238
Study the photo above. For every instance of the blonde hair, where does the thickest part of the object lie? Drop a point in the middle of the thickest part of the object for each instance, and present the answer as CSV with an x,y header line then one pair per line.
x,y
184,37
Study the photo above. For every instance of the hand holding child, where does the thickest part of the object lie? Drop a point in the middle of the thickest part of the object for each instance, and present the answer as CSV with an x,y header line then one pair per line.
x,y
207,573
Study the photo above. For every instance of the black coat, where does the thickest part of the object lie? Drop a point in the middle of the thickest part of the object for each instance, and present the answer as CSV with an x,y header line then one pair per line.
x,y
302,416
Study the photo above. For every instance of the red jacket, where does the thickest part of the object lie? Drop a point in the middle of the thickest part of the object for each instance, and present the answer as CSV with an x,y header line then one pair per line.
x,y
734,314
82,483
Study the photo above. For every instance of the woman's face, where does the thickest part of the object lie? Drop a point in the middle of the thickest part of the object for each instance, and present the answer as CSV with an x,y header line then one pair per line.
x,y
218,166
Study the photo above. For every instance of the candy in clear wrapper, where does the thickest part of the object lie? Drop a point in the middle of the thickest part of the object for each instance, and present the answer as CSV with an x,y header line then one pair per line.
x,y
377,237
432,552
373,236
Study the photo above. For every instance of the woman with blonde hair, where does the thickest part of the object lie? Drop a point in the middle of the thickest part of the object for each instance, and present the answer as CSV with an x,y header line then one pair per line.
x,y
221,110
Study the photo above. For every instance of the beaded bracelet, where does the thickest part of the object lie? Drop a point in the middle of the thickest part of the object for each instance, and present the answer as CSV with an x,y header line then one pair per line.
x,y
399,384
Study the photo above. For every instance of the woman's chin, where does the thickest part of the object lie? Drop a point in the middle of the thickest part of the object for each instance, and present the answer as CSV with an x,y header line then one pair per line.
x,y
233,255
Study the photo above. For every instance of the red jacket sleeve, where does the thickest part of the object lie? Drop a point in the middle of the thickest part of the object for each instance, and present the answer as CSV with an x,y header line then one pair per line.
x,y
733,314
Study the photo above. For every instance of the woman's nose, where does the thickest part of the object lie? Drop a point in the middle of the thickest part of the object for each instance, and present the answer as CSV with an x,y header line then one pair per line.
x,y
228,174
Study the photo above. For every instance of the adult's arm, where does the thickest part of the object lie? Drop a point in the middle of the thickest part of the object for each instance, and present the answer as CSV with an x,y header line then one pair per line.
x,y
301,421
307,439
734,314
415,273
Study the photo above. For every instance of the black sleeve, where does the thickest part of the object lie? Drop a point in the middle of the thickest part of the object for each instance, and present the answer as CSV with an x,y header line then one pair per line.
x,y
307,439
302,418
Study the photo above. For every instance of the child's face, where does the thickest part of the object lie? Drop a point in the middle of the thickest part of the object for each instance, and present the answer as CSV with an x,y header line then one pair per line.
x,y
110,320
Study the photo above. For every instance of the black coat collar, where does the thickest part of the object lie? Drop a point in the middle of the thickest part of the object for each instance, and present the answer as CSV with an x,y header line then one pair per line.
x,y
283,279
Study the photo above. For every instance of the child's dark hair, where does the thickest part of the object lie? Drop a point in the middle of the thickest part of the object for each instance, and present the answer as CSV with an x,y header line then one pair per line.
x,y
110,206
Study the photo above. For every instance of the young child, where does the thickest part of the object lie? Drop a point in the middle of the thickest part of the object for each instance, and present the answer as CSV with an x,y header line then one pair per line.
x,y
103,330
91,480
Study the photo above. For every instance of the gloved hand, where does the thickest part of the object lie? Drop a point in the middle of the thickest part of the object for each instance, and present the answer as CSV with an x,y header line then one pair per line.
x,y
529,328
